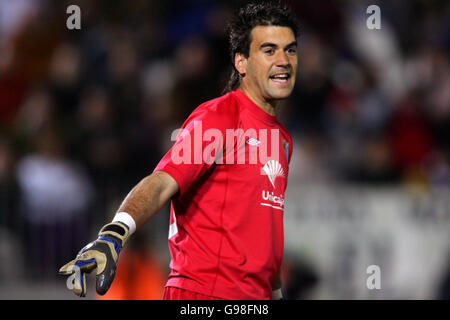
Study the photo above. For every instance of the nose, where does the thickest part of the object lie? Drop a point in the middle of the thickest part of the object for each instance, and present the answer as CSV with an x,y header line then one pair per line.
x,y
282,59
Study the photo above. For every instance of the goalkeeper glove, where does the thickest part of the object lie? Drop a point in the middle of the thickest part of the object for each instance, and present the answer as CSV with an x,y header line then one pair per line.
x,y
101,254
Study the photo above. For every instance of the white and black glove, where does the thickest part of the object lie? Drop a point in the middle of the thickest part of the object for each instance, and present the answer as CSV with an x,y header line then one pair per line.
x,y
101,254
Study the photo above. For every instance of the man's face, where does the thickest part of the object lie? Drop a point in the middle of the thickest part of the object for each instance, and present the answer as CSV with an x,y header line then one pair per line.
x,y
271,66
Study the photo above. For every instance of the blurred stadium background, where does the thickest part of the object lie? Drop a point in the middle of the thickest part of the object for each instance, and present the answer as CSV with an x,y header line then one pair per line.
x,y
85,114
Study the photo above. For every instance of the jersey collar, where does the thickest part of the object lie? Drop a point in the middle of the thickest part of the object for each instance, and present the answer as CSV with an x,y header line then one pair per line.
x,y
254,109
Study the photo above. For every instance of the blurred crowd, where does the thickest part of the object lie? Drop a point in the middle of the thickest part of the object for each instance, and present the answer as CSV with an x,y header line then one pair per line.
x,y
85,114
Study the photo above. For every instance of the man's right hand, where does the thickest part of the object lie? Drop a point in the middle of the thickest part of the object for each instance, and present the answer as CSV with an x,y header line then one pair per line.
x,y
102,254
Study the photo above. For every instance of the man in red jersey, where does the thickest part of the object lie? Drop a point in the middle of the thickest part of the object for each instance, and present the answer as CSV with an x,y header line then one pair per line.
x,y
226,176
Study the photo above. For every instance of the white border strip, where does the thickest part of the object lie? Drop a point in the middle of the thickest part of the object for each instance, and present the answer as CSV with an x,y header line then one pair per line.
x,y
173,229
269,205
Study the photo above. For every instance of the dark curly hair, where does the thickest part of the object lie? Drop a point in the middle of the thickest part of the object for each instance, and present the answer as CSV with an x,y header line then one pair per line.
x,y
261,13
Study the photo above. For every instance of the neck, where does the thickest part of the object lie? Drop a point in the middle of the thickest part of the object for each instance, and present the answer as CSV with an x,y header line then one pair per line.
x,y
270,107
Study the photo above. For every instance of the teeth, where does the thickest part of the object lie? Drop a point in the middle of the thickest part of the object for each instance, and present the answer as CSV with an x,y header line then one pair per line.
x,y
281,76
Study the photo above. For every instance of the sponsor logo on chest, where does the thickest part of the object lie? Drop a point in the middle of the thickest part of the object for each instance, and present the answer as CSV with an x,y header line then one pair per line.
x,y
274,170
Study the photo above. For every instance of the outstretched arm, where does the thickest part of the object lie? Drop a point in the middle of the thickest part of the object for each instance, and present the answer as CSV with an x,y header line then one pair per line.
x,y
149,196
143,201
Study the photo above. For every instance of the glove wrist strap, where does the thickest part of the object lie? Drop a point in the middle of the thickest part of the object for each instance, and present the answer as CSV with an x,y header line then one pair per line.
x,y
118,231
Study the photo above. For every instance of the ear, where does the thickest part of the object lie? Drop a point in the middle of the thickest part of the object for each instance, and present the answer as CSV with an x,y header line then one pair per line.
x,y
240,63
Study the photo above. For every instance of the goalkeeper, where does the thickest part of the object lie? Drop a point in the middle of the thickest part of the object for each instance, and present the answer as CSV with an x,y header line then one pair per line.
x,y
226,219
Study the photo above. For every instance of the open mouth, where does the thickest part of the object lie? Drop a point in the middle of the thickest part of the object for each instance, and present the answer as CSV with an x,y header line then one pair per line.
x,y
281,78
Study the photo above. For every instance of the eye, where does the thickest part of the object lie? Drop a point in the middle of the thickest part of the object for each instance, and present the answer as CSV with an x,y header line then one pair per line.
x,y
292,50
269,52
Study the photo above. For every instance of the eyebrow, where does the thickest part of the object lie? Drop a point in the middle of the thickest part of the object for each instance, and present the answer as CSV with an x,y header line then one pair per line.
x,y
273,45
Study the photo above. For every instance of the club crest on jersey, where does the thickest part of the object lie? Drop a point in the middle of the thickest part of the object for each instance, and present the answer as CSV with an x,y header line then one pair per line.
x,y
273,170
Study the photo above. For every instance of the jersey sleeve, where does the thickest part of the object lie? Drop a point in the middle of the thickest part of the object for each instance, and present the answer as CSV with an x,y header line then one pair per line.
x,y
199,144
